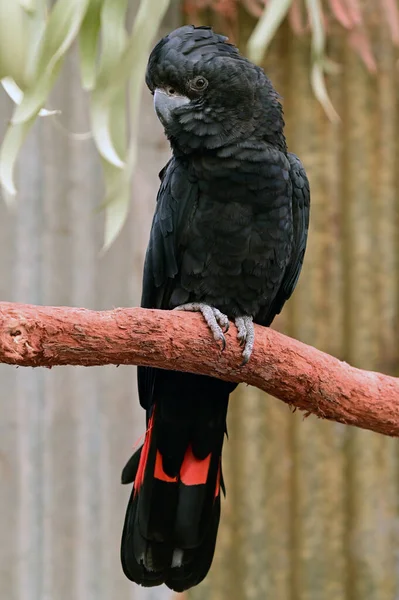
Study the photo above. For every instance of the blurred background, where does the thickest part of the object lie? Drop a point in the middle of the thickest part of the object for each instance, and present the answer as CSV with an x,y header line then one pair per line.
x,y
312,508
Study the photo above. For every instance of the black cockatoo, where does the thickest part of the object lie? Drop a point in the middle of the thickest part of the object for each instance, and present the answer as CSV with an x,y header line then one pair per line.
x,y
227,239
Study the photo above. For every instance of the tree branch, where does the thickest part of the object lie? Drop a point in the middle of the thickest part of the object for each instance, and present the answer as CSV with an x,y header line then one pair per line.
x,y
298,374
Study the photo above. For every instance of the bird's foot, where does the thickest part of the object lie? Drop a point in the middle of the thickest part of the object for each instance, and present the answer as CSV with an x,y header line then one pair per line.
x,y
246,336
217,322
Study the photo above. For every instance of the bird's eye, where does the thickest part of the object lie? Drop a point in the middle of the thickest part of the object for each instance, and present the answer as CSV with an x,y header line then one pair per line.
x,y
170,90
199,84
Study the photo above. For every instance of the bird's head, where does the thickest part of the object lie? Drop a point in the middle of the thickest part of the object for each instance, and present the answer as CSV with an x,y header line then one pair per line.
x,y
207,95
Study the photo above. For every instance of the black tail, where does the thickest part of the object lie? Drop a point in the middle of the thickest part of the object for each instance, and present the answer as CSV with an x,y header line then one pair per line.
x,y
172,518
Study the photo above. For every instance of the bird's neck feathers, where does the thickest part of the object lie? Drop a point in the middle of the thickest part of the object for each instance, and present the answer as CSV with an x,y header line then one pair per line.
x,y
267,128
205,129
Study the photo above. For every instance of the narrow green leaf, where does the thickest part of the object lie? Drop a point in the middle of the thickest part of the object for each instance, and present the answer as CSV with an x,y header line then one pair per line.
x,y
274,13
118,123
88,43
318,33
145,27
28,5
34,98
13,140
131,66
133,61
100,120
14,40
116,203
16,95
320,63
62,27
113,36
115,217
103,115
37,25
12,89
320,91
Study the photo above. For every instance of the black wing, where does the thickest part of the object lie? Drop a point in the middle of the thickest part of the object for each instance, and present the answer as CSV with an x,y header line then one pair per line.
x,y
300,214
176,202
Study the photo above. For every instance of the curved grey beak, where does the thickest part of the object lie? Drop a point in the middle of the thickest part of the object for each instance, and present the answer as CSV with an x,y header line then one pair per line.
x,y
165,104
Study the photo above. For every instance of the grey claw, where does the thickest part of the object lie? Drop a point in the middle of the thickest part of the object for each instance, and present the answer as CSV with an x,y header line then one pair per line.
x,y
223,340
217,322
246,355
218,336
221,319
245,336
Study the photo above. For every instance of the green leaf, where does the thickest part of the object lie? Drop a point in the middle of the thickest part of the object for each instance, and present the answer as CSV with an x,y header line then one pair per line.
x,y
115,217
100,120
145,27
113,36
320,91
14,40
104,116
320,63
34,99
37,25
114,74
16,95
318,33
118,122
133,61
116,203
13,140
88,43
28,5
62,27
132,65
274,13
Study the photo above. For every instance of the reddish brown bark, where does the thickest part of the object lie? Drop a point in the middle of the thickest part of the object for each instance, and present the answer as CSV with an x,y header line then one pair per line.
x,y
298,374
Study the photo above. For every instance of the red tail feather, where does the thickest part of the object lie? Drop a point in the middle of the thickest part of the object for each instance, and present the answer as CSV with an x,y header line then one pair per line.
x,y
159,473
194,471
143,458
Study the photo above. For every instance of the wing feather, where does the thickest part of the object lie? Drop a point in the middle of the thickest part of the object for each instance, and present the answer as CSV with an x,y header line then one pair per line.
x,y
300,214
176,202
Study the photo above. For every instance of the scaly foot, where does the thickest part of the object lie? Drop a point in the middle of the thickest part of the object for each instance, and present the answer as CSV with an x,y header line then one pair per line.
x,y
246,336
217,322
